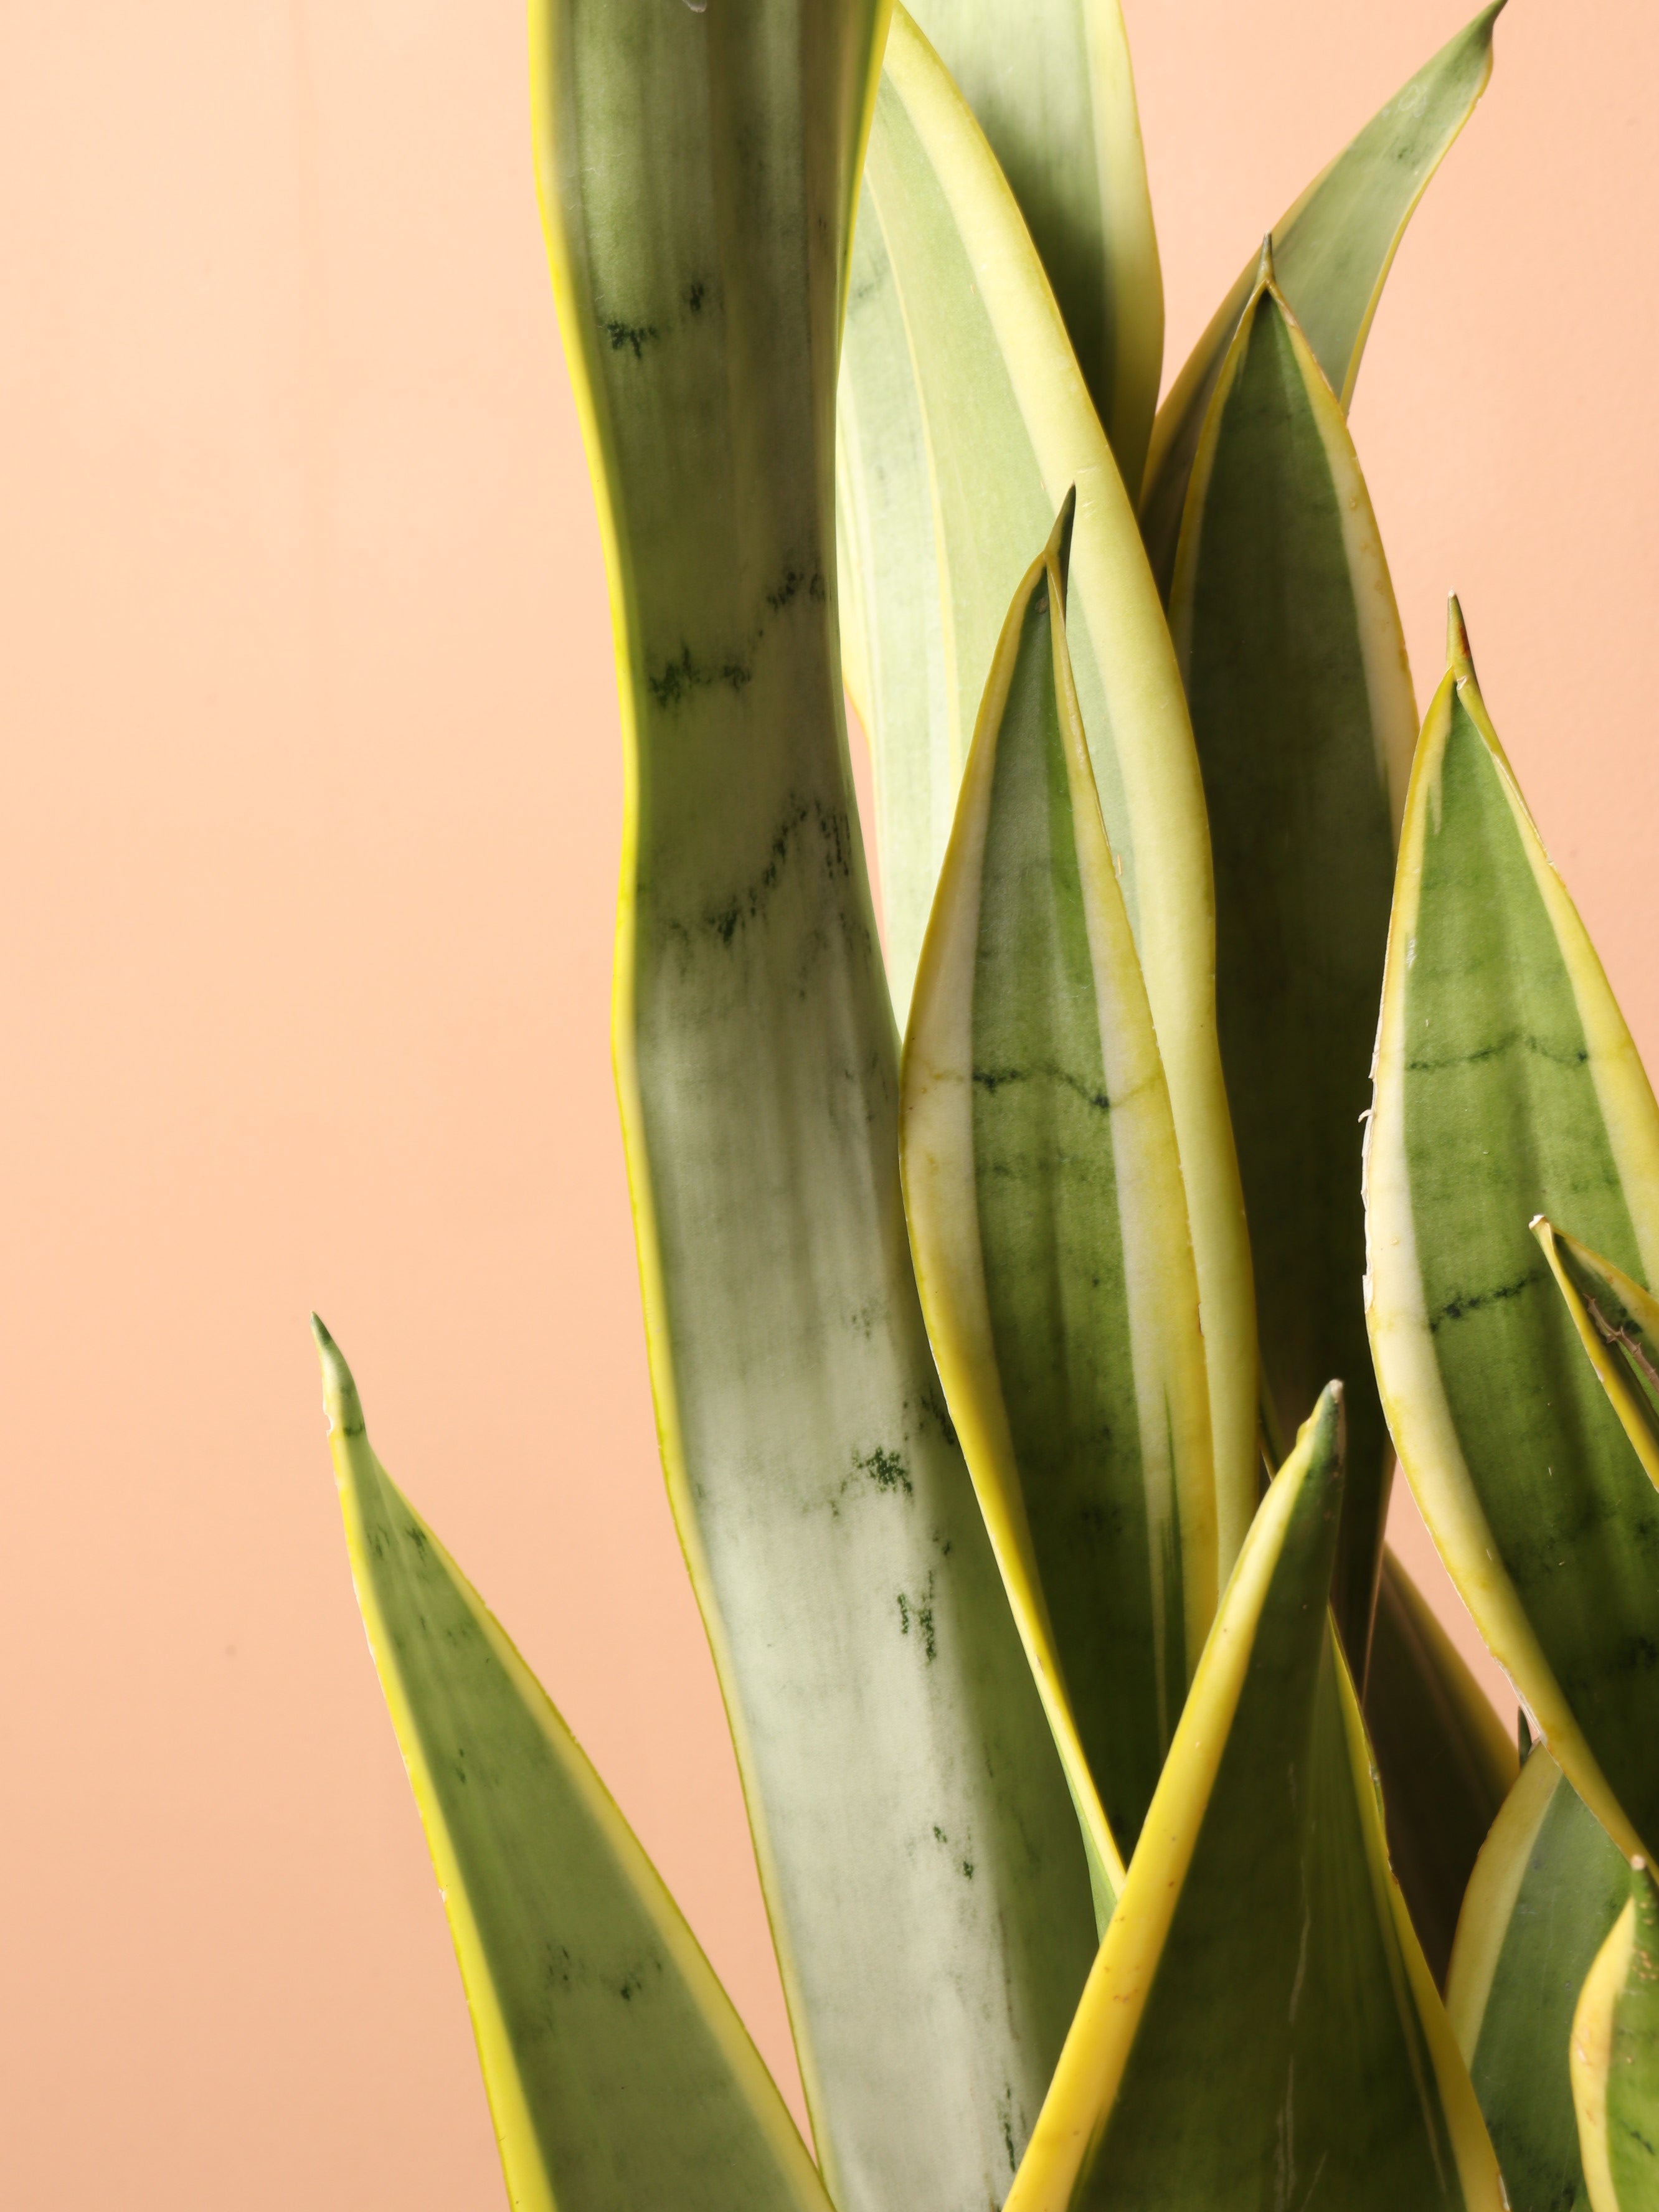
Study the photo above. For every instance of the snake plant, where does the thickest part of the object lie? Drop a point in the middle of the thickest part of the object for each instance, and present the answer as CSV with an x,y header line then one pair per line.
x,y
1029,1392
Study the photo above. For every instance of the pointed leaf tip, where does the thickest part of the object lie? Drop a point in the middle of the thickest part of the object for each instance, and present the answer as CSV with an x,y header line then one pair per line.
x,y
1330,1418
1264,267
340,1400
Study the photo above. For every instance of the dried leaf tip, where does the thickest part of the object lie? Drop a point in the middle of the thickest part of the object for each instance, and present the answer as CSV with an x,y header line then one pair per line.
x,y
1459,659
1059,548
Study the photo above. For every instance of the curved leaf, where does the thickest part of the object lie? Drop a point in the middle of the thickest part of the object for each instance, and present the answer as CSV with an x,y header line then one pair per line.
x,y
1260,2017
919,1853
1615,2059
1445,1761
1047,1216
1054,93
1546,1889
618,2072
957,449
1295,666
1507,1085
1334,248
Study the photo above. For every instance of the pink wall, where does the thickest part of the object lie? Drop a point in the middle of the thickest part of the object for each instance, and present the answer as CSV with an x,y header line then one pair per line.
x,y
308,855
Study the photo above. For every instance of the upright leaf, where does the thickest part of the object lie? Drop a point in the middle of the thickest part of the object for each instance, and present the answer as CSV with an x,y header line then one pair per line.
x,y
1445,1761
1054,93
1334,248
964,422
1615,2057
1546,1889
617,2072
1285,622
919,1856
1260,2026
1047,1216
1507,1085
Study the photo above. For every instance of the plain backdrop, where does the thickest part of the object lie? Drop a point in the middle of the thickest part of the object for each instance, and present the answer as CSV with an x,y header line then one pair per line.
x,y
307,862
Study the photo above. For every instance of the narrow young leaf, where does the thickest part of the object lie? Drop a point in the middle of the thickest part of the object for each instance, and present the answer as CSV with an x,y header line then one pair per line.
x,y
1445,1761
918,1849
1618,1325
1260,2018
1054,94
1295,666
1615,2057
1047,1216
964,422
1546,1889
618,2072
1507,1085
1333,249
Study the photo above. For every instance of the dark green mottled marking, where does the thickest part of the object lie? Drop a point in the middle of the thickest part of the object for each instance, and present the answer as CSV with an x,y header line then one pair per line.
x,y
1502,1122
1574,1886
1299,826
1046,1184
887,1470
1274,2000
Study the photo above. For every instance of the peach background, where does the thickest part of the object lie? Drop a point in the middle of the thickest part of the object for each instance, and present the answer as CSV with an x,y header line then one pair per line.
x,y
310,832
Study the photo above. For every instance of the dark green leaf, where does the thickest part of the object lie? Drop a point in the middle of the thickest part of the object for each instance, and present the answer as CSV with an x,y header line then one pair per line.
x,y
1295,664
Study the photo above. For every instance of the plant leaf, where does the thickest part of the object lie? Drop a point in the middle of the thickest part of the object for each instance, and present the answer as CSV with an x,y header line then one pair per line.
x,y
1333,249
1445,1761
958,445
1546,1889
1260,1958
1054,94
1615,2057
1618,1325
1043,1192
921,1859
618,2071
1507,1085
1295,666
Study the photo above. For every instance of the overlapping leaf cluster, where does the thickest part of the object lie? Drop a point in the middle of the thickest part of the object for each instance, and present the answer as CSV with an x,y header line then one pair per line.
x,y
1123,1811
